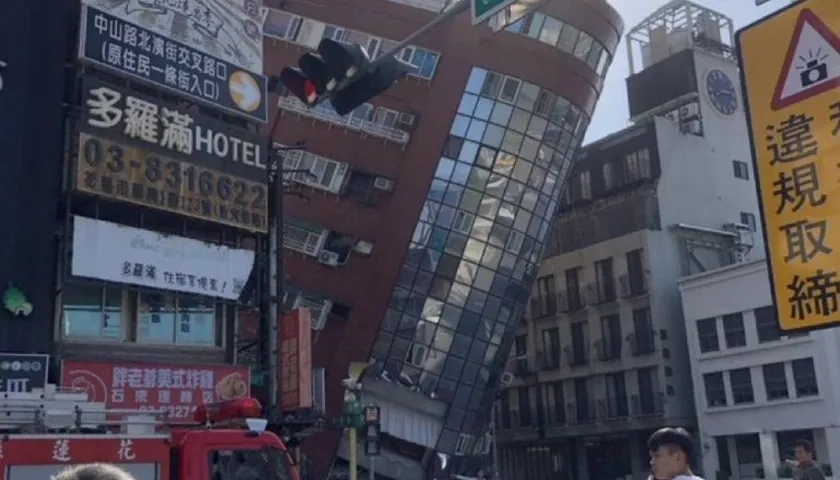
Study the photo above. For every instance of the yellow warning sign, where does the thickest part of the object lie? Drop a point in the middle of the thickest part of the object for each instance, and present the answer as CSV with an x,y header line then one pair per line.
x,y
790,72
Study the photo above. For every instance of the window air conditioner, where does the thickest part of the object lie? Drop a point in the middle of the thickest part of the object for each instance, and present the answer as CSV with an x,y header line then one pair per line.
x,y
329,258
382,183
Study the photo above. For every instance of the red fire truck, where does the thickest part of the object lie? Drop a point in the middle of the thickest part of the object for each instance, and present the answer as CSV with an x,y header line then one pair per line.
x,y
43,432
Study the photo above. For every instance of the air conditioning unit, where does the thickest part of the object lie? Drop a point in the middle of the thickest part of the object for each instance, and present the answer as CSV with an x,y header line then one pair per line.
x,y
329,258
689,111
382,183
694,127
406,120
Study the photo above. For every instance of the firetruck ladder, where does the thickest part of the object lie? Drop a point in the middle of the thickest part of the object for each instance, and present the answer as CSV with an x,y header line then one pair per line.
x,y
55,410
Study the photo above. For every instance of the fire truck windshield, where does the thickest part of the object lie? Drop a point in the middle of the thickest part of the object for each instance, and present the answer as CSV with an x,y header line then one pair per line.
x,y
249,465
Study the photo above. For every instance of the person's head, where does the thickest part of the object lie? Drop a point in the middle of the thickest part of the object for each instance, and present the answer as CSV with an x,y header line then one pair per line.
x,y
670,452
804,451
93,471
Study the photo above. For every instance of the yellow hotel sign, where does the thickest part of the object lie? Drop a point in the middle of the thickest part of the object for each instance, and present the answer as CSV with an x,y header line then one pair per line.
x,y
790,68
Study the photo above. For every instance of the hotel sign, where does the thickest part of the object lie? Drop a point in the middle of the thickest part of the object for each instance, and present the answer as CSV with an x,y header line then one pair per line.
x,y
120,114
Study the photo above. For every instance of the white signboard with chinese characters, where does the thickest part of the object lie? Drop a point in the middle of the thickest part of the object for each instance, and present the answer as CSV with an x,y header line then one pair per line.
x,y
117,253
226,29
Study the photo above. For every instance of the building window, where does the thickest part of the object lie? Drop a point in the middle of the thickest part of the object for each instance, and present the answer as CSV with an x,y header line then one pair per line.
x,y
741,169
775,381
524,406
708,335
504,408
805,377
715,389
741,382
573,288
767,325
546,295
748,219
555,403
520,345
97,313
733,330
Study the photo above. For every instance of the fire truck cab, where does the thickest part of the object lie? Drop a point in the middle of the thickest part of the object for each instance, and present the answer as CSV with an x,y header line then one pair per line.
x,y
45,431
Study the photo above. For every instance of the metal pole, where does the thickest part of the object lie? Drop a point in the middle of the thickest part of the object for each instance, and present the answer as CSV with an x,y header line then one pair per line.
x,y
452,12
354,453
372,468
496,473
275,274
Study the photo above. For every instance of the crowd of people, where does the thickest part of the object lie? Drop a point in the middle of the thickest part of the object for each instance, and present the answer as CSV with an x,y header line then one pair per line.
x,y
671,455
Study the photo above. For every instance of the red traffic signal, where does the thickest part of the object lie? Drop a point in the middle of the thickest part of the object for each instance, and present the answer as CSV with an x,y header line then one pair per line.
x,y
300,85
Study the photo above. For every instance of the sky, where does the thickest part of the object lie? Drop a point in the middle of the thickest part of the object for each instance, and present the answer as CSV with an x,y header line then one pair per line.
x,y
611,113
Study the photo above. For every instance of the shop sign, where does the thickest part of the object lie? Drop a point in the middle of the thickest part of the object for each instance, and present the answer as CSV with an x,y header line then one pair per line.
x,y
121,254
151,387
23,372
296,360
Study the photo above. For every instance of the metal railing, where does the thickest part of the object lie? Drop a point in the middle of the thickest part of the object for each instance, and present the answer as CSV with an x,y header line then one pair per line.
x,y
651,404
325,113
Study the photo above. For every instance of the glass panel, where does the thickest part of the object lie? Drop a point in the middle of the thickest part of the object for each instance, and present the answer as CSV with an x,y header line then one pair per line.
x,y
478,177
452,147
156,318
512,142
82,314
483,109
481,228
536,25
467,105
520,119
527,96
461,173
196,322
444,169
476,80
459,125
583,45
471,199
493,135
529,149
568,38
474,250
484,276
537,127
550,33
486,156
501,113
476,130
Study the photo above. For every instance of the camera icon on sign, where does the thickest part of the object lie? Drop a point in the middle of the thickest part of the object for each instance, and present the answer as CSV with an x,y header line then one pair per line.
x,y
815,71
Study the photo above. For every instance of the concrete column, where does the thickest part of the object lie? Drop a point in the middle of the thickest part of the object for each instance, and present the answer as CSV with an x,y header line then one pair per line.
x,y
640,470
832,441
734,464
709,461
769,454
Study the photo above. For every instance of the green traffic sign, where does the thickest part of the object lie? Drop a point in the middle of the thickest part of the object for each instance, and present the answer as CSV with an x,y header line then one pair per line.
x,y
484,9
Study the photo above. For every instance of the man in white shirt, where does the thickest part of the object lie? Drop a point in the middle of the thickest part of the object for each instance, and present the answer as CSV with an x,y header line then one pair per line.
x,y
671,451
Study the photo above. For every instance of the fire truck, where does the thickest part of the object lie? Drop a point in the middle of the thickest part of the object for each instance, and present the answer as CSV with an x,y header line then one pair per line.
x,y
44,431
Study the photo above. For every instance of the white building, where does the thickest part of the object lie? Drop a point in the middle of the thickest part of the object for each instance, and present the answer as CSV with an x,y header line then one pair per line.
x,y
756,391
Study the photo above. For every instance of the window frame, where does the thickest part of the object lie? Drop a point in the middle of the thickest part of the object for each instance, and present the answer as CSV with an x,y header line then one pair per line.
x,y
734,337
764,322
811,377
707,335
739,390
130,317
776,388
716,377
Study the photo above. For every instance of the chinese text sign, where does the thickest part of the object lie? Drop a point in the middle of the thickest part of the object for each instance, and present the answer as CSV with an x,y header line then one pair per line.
x,y
174,389
133,50
794,110
296,360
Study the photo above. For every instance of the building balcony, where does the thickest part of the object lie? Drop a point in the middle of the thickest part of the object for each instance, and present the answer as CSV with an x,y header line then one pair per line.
x,y
649,405
572,300
576,355
634,285
325,113
641,343
601,293
607,350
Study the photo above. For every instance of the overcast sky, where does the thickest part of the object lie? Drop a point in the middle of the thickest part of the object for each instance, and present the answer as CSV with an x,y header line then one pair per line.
x,y
611,114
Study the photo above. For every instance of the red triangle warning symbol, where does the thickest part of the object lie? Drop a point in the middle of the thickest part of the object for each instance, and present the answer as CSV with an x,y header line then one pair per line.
x,y
812,62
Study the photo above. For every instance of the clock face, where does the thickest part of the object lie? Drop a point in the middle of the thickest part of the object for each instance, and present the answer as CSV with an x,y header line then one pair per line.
x,y
721,91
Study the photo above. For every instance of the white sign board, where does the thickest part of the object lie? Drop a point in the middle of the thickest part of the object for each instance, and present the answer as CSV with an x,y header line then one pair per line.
x,y
117,253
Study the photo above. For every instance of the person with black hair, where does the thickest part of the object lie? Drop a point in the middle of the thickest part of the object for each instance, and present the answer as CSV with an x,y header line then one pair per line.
x,y
804,467
93,471
671,451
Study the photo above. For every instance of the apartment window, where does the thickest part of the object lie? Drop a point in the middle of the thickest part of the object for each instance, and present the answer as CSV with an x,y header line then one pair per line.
x,y
612,339
604,278
608,171
707,334
748,219
546,295
585,185
733,330
573,288
767,324
115,314
555,401
805,377
463,222
643,335
504,407
637,165
520,345
584,409
616,395
578,343
524,406
648,390
715,389
635,272
741,169
775,381
551,346
742,389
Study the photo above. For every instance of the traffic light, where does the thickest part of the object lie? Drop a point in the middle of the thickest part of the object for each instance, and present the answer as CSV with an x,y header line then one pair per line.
x,y
372,442
341,73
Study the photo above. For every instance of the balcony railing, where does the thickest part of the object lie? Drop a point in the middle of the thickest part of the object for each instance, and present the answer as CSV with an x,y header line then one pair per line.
x,y
632,285
576,355
641,342
601,292
606,350
549,360
652,404
325,113
614,409
581,413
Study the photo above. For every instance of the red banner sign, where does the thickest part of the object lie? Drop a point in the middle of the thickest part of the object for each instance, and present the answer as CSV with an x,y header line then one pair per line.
x,y
296,360
176,389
